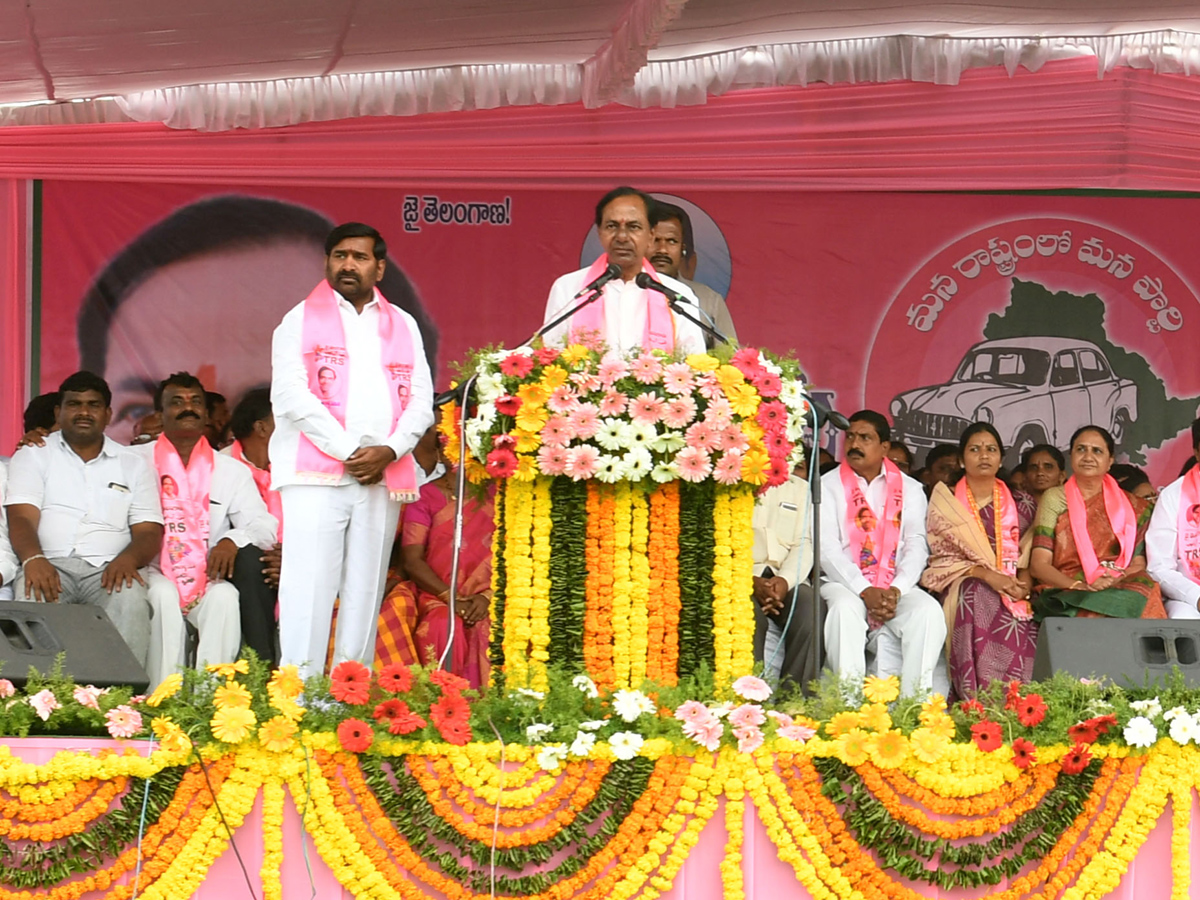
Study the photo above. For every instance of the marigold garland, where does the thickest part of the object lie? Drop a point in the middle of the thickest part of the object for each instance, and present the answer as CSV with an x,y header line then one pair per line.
x,y
662,654
539,605
598,627
622,591
639,578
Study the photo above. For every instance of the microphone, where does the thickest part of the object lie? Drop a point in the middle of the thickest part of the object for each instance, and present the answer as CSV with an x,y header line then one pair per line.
x,y
613,271
646,283
825,413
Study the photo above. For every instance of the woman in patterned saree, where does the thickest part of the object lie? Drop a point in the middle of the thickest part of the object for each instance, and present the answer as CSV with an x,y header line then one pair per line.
x,y
978,534
1089,553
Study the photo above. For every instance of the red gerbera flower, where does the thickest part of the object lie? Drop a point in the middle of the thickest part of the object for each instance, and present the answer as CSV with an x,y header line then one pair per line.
x,y
508,405
406,723
451,716
1031,710
456,733
768,384
516,365
389,709
448,680
1024,753
1083,732
546,355
1013,696
1076,760
987,736
501,463
971,706
778,471
777,443
396,679
746,361
1103,723
351,682
355,735
771,415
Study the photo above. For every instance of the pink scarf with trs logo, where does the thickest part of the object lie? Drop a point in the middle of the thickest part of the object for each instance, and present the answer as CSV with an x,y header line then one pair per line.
x,y
658,332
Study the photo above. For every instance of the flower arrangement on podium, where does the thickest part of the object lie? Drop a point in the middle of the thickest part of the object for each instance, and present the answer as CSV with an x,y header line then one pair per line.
x,y
624,496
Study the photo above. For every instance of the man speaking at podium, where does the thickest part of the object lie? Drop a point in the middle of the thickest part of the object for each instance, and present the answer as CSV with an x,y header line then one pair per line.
x,y
625,315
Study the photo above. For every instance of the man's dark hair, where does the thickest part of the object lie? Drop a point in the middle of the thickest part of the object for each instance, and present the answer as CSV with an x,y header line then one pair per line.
x,y
356,230
253,407
1128,477
663,212
941,451
1055,454
876,421
40,412
1187,465
828,466
84,380
1196,432
622,191
903,448
205,226
182,380
211,399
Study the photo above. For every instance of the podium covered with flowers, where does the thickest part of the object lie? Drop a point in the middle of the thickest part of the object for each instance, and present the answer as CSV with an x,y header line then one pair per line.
x,y
623,511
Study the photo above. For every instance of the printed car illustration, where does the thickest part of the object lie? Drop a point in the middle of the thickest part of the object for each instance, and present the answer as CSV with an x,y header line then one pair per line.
x,y
1032,389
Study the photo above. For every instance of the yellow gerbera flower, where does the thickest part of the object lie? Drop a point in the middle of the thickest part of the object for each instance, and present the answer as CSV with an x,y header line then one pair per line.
x,y
729,376
168,688
875,717
531,420
928,745
881,690
842,722
943,725
278,734
553,377
743,398
170,736
527,442
575,353
853,747
755,467
228,670
288,708
754,434
702,362
889,749
231,696
527,469
231,725
287,681
533,396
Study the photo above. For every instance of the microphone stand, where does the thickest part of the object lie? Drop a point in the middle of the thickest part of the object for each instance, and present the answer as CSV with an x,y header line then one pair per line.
x,y
681,308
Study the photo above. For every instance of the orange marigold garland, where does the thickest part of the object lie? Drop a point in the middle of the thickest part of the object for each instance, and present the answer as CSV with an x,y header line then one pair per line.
x,y
597,633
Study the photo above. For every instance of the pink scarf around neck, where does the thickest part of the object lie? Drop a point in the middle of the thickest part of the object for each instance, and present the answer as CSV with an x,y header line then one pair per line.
x,y
262,480
874,538
1120,516
184,556
658,332
323,345
1188,524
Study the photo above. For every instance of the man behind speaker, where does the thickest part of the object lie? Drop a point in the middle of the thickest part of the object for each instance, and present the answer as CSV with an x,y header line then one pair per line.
x,y
83,515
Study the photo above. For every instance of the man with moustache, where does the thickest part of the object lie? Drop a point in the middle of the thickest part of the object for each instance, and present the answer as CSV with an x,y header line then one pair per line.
x,y
671,248
625,315
343,463
873,552
83,515
213,513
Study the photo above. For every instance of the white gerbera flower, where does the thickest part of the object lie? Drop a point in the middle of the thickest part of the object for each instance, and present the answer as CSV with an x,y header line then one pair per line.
x,y
488,387
1173,712
629,705
1140,732
551,756
642,435
585,684
538,730
664,472
1183,729
638,463
1148,708
612,434
610,469
530,692
668,443
593,724
583,743
625,744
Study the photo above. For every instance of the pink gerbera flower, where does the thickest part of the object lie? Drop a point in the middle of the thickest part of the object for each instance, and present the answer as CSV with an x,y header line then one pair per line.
x,y
708,386
546,355
728,469
747,715
612,403
501,463
562,400
552,460
586,382
679,412
777,472
751,687
719,412
646,368
749,739
799,733
612,370
747,362
705,732
88,696
692,711
44,702
123,721
777,443
508,405
7,688
677,378
504,442
772,415
733,438
582,461
768,384
585,419
516,365
558,431
693,463
646,408
700,436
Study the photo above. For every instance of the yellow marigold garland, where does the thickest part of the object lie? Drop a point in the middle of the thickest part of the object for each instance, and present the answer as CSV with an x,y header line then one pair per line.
x,y
622,590
272,829
639,597
742,580
519,572
539,608
723,586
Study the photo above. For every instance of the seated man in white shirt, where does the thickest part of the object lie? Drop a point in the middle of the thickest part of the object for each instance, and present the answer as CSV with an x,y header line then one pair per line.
x,y
873,551
212,509
1173,541
8,559
625,315
782,560
83,515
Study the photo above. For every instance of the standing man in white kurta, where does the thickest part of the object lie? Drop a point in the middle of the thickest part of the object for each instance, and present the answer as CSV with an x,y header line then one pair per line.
x,y
625,315
1173,541
873,552
341,453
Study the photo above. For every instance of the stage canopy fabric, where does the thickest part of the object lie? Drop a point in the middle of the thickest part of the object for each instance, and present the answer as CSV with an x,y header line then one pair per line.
x,y
225,64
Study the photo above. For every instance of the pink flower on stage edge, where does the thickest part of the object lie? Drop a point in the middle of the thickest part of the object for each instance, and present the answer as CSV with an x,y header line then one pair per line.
x,y
753,688
501,463
700,436
768,384
612,370
123,721
747,361
646,369
546,355
706,733
728,469
585,419
7,689
749,738
562,400
552,460
88,696
772,415
692,711
586,382
693,464
516,365
508,405
747,715
677,378
647,408
612,404
581,462
708,386
557,431
44,702
679,412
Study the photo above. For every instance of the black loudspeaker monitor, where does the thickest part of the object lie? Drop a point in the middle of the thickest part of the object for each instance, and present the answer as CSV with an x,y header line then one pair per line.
x,y
1123,650
33,634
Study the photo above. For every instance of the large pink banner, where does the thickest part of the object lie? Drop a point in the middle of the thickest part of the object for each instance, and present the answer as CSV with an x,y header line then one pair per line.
x,y
1039,313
